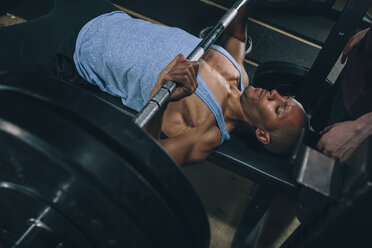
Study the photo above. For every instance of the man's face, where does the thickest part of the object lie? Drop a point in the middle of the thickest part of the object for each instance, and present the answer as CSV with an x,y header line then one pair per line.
x,y
268,110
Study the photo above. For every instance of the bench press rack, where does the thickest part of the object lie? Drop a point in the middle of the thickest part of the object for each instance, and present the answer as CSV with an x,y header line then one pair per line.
x,y
272,173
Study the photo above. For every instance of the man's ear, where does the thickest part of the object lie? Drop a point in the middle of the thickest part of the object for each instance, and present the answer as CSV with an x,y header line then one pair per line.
x,y
263,136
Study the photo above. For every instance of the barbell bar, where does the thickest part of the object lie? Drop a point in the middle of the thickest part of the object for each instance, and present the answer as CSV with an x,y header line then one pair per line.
x,y
162,95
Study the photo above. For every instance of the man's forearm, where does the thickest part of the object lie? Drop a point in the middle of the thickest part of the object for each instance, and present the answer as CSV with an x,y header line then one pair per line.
x,y
364,125
238,27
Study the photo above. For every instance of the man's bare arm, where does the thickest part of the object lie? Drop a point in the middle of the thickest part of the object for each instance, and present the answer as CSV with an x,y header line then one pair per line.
x,y
192,146
341,139
234,38
184,73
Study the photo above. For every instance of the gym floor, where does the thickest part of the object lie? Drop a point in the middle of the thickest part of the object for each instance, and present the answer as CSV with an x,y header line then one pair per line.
x,y
289,36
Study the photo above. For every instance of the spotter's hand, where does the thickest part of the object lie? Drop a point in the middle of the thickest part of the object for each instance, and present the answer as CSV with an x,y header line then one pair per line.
x,y
339,140
353,42
183,72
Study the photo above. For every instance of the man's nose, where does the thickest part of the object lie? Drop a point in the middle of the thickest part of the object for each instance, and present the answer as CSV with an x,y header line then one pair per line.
x,y
274,95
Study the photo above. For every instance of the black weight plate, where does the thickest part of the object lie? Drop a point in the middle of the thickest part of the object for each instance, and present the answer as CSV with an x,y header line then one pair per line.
x,y
26,221
285,77
118,132
104,169
54,182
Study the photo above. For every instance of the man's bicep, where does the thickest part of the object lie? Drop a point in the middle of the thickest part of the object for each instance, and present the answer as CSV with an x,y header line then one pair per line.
x,y
235,47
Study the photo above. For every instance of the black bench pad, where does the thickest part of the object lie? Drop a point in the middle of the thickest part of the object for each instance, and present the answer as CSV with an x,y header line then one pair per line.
x,y
242,154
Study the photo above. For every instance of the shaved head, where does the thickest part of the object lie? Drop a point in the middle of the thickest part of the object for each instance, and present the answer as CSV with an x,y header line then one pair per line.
x,y
284,137
276,120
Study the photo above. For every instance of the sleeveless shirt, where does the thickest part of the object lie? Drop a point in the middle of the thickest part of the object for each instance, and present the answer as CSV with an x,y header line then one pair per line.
x,y
123,56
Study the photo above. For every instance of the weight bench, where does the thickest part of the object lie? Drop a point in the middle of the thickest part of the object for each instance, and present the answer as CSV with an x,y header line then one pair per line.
x,y
244,156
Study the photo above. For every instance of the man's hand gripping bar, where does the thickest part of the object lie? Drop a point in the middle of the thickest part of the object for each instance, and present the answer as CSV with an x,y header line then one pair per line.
x,y
163,94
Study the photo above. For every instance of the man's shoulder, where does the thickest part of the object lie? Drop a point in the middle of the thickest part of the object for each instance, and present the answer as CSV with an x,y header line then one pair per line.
x,y
208,138
221,68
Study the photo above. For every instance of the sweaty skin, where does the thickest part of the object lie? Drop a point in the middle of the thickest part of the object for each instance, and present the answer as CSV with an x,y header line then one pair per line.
x,y
191,117
189,124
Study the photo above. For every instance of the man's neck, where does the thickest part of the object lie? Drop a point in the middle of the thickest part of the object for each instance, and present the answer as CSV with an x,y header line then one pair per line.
x,y
234,114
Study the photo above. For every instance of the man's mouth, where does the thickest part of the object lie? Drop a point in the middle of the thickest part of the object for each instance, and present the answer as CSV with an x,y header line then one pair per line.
x,y
261,93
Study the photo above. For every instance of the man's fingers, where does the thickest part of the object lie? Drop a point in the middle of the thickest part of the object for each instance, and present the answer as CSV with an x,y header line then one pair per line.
x,y
182,73
327,150
181,58
178,59
326,129
192,66
320,144
192,69
179,78
323,146
189,68
344,157
195,65
183,81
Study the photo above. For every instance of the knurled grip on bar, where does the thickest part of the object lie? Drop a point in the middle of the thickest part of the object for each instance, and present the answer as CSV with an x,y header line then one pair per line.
x,y
155,103
163,94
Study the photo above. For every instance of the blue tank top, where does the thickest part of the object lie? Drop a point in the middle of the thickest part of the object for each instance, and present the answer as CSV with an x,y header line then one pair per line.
x,y
123,56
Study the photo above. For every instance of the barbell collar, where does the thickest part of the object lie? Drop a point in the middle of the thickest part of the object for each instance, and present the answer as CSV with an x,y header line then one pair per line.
x,y
146,114
170,86
161,96
228,17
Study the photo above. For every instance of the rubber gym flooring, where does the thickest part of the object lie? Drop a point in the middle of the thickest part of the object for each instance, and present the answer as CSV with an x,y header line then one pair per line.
x,y
278,35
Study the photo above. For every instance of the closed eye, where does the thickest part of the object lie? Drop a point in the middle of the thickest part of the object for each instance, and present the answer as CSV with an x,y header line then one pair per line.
x,y
277,109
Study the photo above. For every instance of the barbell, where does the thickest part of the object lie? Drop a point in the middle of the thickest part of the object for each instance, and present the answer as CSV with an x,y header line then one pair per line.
x,y
162,95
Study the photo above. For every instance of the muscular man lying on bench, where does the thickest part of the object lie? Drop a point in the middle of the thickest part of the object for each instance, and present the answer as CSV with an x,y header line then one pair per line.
x,y
126,57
